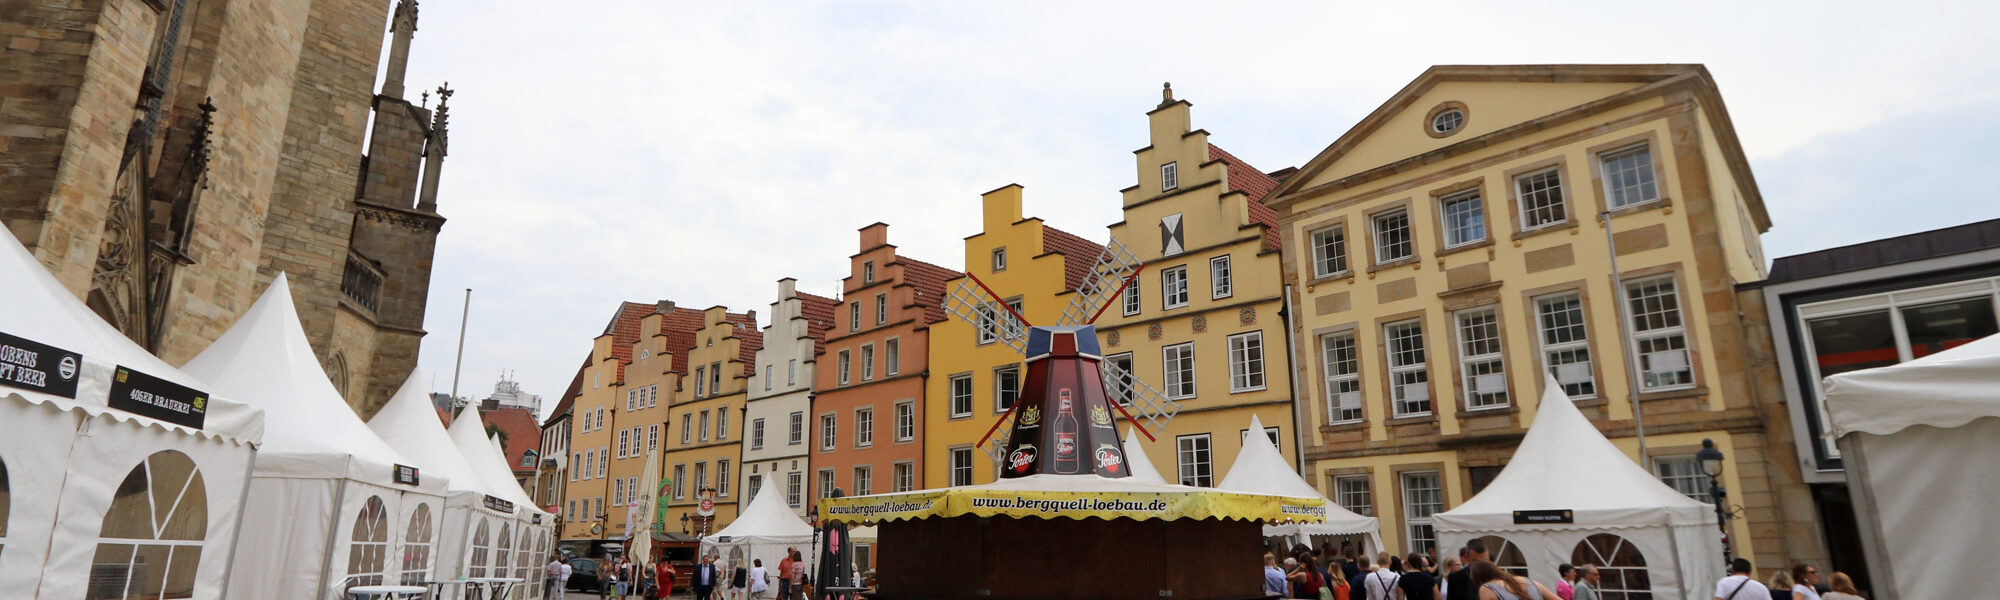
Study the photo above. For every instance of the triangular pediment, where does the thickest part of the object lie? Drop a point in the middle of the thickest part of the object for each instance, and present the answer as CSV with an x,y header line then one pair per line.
x,y
1490,99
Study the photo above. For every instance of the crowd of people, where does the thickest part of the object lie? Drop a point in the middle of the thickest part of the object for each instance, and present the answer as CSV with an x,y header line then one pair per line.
x,y
624,580
1472,575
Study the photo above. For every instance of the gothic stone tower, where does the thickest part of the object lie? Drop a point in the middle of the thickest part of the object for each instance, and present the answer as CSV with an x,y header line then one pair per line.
x,y
165,159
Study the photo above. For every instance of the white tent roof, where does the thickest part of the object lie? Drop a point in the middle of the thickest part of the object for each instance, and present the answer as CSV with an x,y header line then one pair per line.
x,y
1261,469
468,433
767,518
1135,457
1943,390
40,309
409,423
1560,445
313,432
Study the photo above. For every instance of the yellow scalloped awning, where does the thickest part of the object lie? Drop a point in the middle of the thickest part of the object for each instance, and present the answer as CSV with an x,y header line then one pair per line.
x,y
1165,505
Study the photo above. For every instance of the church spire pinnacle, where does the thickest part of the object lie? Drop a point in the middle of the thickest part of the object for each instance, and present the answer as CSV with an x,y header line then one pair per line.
x,y
402,25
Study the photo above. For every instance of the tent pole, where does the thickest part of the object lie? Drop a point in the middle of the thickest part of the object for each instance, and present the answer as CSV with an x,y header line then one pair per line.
x,y
459,362
333,527
1629,345
242,500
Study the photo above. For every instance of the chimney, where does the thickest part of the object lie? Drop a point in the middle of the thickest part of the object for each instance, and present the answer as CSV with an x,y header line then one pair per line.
x,y
788,288
1001,207
874,235
665,307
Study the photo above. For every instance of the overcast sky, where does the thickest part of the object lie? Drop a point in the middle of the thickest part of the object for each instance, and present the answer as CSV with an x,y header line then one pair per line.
x,y
604,151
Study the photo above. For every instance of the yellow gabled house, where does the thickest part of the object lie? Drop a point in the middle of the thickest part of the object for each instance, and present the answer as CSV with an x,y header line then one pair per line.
x,y
974,374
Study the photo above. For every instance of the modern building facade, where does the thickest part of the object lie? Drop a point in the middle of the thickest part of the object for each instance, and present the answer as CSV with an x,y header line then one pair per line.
x,y
166,159
868,406
1446,253
974,375
1867,305
779,403
1204,323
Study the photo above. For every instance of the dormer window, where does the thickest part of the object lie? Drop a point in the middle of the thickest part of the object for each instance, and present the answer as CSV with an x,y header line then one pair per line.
x,y
999,259
1170,176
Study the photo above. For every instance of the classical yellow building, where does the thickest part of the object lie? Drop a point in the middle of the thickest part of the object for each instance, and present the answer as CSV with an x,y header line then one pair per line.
x,y
974,375
1203,322
703,453
1447,252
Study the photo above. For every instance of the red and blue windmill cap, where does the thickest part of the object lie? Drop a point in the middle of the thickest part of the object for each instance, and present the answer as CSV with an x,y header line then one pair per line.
x,y
1046,341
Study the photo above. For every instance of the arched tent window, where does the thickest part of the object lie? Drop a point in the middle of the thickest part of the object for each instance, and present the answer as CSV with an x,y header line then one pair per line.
x,y
524,559
505,551
541,554
417,546
1619,563
151,540
480,542
1506,555
369,549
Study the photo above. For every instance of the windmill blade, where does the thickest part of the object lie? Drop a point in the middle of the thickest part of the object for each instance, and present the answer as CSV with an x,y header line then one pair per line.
x,y
996,447
1106,278
1154,407
990,323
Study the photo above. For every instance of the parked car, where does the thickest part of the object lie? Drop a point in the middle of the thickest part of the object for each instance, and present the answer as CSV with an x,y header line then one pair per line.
x,y
584,576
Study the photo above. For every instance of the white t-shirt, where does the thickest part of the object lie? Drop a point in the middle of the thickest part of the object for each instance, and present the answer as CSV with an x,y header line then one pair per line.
x,y
757,583
1742,587
1804,592
565,573
1382,584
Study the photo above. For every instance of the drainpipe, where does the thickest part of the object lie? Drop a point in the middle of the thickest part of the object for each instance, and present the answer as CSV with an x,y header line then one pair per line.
x,y
1299,424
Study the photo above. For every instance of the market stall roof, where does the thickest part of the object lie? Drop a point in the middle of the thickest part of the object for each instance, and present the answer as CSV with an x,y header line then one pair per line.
x,y
468,434
766,517
1141,465
39,309
1261,469
409,424
1560,444
313,432
1944,390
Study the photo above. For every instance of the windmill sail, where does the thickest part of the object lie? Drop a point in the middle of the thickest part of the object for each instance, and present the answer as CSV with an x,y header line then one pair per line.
x,y
1107,277
992,321
1155,408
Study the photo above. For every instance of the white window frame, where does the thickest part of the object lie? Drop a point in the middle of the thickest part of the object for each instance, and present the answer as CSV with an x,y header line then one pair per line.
x,y
704,427
1246,362
864,480
1409,370
1194,460
864,427
1173,287
797,435
1329,251
1541,192
989,324
624,443
854,316
1470,231
1645,182
829,431
1561,327
1178,371
1340,362
1684,474
999,259
700,381
1132,298
867,362
1001,392
960,404
700,477
751,485
843,366
903,476
881,308
795,483
1121,391
892,356
715,379
792,372
1481,366
722,423
687,428
1416,497
1647,330
653,437
1356,493
906,420
1220,283
680,482
958,466
1170,176
827,482
721,477
768,372
1383,243
757,434
868,272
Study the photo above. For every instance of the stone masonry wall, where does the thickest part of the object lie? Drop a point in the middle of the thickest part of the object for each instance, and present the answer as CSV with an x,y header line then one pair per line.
x,y
395,153
312,201
69,73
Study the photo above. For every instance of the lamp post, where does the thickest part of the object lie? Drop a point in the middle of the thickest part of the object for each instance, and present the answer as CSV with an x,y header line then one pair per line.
x,y
684,523
1711,464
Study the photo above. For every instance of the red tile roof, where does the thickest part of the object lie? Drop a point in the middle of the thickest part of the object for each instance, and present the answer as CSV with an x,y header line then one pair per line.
x,y
819,313
1247,179
1078,254
522,434
569,395
681,325
929,280
749,339
624,331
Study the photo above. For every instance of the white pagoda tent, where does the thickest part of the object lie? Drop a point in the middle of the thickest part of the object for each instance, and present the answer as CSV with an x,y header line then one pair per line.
x,y
1261,469
329,503
90,418
1568,495
1897,426
1140,464
409,423
762,531
520,543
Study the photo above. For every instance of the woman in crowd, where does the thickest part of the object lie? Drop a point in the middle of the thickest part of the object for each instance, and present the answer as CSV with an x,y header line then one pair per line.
x,y
1780,584
1565,581
1495,584
1445,569
1842,588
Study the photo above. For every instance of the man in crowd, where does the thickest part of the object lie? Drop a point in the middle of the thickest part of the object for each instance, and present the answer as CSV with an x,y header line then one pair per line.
x,y
1357,586
785,575
1458,585
1274,578
1381,585
1586,582
704,579
1739,585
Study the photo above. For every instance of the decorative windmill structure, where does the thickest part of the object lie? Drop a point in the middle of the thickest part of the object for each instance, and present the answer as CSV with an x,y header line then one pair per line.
x,y
1061,422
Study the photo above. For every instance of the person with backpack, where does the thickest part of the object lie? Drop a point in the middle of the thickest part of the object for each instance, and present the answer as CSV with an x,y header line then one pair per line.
x,y
1739,585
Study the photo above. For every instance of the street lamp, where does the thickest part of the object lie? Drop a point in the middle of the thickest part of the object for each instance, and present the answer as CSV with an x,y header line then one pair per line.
x,y
684,523
1711,465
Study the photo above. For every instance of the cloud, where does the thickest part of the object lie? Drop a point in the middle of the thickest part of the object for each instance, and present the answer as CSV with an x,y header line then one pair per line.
x,y
627,150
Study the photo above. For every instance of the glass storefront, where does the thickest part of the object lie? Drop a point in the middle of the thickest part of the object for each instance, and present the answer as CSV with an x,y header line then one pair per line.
x,y
1878,330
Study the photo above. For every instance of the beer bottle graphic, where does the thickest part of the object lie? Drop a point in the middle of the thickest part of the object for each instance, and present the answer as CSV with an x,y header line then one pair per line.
x,y
1068,448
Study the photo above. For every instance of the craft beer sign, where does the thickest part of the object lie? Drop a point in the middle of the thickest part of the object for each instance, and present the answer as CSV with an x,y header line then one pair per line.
x,y
31,365
149,396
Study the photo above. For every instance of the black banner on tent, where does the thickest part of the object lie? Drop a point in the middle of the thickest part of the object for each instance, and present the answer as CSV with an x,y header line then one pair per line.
x,y
495,503
1543,517
32,365
537,518
149,396
406,475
